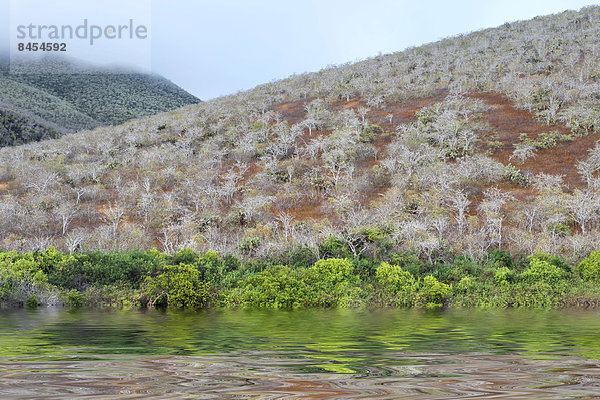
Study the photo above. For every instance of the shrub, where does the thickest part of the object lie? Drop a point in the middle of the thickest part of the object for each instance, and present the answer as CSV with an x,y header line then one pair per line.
x,y
369,133
589,268
332,282
542,271
49,259
554,260
74,299
211,267
334,247
434,292
558,229
465,285
183,256
334,270
500,258
409,262
504,276
276,287
297,257
80,271
466,266
32,302
250,245
454,272
514,175
180,285
545,140
394,278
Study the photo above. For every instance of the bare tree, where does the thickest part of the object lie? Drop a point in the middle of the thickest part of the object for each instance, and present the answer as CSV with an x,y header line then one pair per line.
x,y
286,221
491,207
66,212
583,207
459,202
363,111
523,153
114,214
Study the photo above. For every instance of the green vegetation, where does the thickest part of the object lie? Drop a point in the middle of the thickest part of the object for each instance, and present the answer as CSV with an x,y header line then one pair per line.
x,y
15,129
514,175
46,105
112,98
544,140
589,268
177,286
187,279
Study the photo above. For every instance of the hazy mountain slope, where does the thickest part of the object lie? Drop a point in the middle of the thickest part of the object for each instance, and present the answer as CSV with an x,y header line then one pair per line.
x,y
477,142
16,129
45,105
83,100
112,98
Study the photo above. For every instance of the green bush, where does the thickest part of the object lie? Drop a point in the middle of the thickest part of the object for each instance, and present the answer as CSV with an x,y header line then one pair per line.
x,y
276,287
500,258
542,271
49,259
334,270
554,260
113,279
32,302
211,267
74,299
464,265
82,270
558,229
20,278
504,276
453,272
514,175
334,247
589,268
393,278
369,133
183,256
465,285
250,245
21,266
409,262
298,257
433,292
178,286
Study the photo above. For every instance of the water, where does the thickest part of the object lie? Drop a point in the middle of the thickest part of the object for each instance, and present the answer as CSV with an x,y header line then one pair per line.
x,y
322,354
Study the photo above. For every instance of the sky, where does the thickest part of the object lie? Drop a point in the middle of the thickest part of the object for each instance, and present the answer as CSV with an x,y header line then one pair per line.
x,y
219,47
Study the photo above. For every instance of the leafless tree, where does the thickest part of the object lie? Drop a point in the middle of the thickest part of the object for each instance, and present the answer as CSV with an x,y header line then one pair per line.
x,y
114,214
583,207
523,153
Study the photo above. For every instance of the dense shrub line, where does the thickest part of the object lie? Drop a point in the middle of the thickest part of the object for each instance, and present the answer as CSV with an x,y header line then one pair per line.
x,y
187,279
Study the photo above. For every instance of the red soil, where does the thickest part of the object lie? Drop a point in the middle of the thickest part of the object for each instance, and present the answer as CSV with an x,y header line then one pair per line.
x,y
508,123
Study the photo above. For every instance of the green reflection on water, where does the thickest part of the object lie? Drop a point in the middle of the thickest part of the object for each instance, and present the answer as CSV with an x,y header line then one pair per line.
x,y
340,341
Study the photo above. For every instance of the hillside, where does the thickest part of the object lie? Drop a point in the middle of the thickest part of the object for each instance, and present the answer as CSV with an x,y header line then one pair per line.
x,y
50,104
473,143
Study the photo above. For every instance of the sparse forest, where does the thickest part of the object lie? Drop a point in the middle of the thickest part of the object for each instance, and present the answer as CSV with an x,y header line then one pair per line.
x,y
480,143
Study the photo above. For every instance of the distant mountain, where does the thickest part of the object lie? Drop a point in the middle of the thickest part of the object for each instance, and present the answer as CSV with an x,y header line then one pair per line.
x,y
35,106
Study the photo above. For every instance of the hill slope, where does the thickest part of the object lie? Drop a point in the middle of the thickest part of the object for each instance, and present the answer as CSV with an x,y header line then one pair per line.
x,y
469,144
50,104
